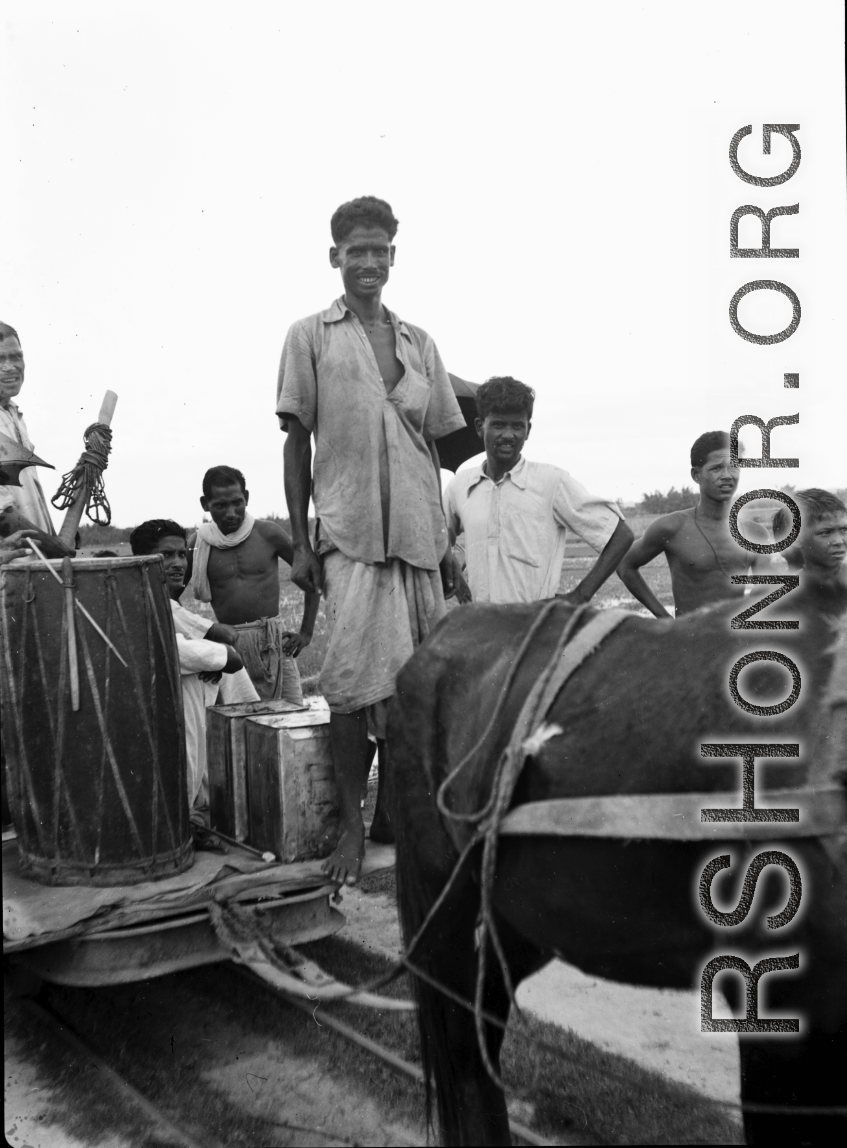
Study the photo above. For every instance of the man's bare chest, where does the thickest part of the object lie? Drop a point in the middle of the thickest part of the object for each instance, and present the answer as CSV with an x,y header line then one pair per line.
x,y
241,562
383,343
709,549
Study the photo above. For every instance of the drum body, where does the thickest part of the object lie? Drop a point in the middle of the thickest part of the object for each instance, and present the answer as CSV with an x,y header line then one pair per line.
x,y
98,794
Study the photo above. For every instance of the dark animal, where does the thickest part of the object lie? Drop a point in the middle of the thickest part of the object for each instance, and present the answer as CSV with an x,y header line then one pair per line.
x,y
634,715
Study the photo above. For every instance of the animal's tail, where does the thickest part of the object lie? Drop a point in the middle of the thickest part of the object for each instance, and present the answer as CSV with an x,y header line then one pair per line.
x,y
426,859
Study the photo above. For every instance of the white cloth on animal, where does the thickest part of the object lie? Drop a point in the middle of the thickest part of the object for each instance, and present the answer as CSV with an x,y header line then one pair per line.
x,y
27,499
233,689
209,535
197,656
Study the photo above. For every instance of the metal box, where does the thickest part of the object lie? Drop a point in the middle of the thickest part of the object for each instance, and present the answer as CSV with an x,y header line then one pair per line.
x,y
293,804
226,762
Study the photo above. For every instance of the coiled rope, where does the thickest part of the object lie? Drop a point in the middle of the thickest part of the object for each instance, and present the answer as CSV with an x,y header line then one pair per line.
x,y
87,475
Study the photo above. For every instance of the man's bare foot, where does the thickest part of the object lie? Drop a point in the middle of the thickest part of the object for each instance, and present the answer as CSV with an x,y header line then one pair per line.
x,y
345,864
382,831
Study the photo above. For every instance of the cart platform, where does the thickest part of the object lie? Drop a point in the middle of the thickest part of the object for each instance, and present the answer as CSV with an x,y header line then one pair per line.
x,y
88,936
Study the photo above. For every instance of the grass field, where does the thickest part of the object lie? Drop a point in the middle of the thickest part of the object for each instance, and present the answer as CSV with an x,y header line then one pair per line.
x,y
579,557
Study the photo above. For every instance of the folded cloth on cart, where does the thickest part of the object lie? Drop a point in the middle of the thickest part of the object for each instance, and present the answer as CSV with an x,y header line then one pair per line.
x,y
32,910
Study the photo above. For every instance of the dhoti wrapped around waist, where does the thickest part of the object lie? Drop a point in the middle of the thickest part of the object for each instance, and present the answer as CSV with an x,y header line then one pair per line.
x,y
377,614
274,674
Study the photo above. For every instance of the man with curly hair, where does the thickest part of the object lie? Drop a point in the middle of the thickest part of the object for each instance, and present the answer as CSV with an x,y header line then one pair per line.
x,y
373,392
515,514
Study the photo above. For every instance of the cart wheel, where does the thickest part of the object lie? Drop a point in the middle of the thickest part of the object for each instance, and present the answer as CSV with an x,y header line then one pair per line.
x,y
20,980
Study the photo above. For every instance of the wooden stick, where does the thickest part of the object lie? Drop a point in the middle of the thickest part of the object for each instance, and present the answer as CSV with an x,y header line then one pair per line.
x,y
73,664
75,511
78,604
266,856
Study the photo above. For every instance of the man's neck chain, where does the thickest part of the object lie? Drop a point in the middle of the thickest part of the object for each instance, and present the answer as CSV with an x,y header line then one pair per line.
x,y
721,566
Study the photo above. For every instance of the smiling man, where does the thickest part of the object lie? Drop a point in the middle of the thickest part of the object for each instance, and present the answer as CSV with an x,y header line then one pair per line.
x,y
205,652
374,393
702,554
515,514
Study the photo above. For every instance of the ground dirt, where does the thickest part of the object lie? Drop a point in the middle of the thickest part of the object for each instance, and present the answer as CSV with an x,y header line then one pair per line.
x,y
251,1071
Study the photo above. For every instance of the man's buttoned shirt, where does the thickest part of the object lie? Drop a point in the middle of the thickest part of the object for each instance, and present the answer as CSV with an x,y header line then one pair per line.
x,y
374,485
515,529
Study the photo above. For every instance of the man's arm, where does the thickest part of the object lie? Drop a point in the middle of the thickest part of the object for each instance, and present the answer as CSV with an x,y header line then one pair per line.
x,y
461,588
12,521
197,655
606,564
218,632
297,464
448,581
758,563
653,543
283,548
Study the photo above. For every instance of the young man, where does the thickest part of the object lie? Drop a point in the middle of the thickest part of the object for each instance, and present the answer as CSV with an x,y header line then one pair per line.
x,y
202,660
235,567
701,553
820,549
23,505
375,394
515,514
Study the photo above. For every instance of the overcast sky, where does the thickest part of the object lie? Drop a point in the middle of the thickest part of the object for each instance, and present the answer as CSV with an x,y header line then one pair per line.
x,y
561,178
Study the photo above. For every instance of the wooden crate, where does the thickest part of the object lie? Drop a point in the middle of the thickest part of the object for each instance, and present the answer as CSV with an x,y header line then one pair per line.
x,y
291,785
227,762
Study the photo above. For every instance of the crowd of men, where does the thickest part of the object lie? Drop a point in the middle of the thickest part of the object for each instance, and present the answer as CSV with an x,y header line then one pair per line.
x,y
370,391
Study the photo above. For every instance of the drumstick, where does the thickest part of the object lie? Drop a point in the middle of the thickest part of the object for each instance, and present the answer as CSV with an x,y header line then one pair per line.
x,y
76,510
78,605
73,664
266,856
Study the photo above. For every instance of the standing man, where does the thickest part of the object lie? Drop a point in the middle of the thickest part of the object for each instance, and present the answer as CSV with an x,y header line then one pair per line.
x,y
515,514
235,566
375,394
702,554
22,507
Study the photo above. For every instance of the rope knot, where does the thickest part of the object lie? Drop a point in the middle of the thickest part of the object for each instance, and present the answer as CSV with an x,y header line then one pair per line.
x,y
87,476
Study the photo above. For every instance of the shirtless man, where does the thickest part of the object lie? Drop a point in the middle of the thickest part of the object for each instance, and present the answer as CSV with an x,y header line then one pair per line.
x,y
819,552
701,552
235,567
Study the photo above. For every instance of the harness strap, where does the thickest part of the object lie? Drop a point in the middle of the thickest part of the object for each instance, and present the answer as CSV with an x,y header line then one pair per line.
x,y
529,730
677,816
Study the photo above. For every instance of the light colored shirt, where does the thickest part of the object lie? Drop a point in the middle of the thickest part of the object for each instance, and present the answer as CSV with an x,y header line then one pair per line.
x,y
28,498
515,530
374,485
195,656
232,688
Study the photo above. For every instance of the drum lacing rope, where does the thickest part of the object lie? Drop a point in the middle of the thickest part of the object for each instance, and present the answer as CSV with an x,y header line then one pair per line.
x,y
88,475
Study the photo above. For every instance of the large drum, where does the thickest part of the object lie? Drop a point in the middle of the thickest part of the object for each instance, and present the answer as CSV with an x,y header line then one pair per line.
x,y
95,750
